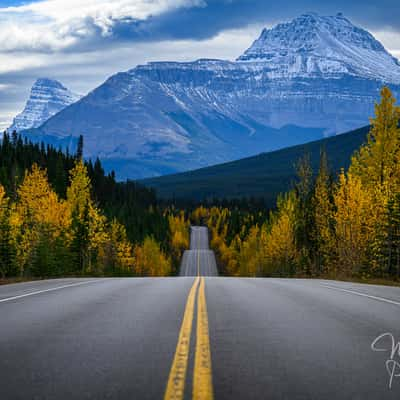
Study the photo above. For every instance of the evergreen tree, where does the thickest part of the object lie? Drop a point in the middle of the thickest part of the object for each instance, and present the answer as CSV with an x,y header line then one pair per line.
x,y
8,265
304,212
79,148
80,239
391,237
323,229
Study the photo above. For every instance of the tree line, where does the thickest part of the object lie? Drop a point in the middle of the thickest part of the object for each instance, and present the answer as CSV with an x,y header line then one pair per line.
x,y
61,216
338,227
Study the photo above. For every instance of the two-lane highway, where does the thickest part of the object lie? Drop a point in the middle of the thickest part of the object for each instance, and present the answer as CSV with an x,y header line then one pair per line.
x,y
199,260
198,337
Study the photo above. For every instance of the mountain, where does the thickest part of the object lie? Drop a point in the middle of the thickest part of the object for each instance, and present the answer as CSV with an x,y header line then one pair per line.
x,y
47,98
315,46
265,175
312,77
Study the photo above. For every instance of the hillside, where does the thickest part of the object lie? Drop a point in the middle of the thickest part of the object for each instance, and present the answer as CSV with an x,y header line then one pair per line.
x,y
265,175
306,79
47,98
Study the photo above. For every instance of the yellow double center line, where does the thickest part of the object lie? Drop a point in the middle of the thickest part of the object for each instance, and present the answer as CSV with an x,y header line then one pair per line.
x,y
202,376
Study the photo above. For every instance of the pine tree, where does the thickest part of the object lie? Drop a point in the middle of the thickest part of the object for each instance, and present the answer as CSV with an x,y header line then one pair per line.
x,y
79,148
323,236
304,213
8,265
391,238
80,239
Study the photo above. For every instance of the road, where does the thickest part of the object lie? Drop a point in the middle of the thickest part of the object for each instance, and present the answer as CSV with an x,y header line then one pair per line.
x,y
197,337
199,260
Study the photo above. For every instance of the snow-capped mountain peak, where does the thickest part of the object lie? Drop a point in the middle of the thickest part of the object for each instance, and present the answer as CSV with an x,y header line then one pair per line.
x,y
312,45
47,98
312,77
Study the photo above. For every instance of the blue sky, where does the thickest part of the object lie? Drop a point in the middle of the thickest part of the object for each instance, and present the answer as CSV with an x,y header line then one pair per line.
x,y
6,3
82,42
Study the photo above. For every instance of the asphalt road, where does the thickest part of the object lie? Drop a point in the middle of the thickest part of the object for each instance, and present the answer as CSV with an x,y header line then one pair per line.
x,y
199,260
239,338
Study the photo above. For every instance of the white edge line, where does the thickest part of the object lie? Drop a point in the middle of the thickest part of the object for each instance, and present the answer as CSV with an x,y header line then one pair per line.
x,y
45,290
363,295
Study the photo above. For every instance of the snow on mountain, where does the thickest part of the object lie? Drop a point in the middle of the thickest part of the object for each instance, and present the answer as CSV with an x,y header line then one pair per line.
x,y
47,98
313,45
312,77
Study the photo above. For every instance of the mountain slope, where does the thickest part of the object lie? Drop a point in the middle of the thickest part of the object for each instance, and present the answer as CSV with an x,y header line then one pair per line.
x,y
47,98
300,81
265,175
312,45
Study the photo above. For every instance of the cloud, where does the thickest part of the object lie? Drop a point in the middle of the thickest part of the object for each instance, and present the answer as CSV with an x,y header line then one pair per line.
x,y
54,25
82,42
81,25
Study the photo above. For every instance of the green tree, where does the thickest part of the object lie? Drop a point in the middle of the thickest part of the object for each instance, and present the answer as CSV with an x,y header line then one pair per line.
x,y
8,265
303,222
323,208
79,148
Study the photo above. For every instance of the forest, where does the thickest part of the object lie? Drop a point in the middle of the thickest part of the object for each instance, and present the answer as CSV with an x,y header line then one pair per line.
x,y
63,216
343,227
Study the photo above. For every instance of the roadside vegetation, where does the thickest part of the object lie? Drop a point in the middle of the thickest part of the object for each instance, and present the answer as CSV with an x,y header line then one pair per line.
x,y
345,227
60,216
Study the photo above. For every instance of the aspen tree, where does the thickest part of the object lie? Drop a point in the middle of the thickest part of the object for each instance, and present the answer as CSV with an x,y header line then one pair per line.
x,y
355,219
377,162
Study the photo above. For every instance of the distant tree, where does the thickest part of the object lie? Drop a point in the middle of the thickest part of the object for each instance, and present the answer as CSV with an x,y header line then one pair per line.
x,y
150,260
79,148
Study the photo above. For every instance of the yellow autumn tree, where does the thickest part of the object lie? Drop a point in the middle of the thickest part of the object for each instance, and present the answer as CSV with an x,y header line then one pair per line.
x,y
89,233
377,165
200,215
150,260
179,230
281,252
250,255
355,222
39,204
2,195
377,162
116,253
78,192
230,258
38,213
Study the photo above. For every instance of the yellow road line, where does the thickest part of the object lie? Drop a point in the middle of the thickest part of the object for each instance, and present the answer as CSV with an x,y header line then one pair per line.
x,y
198,263
202,378
177,376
